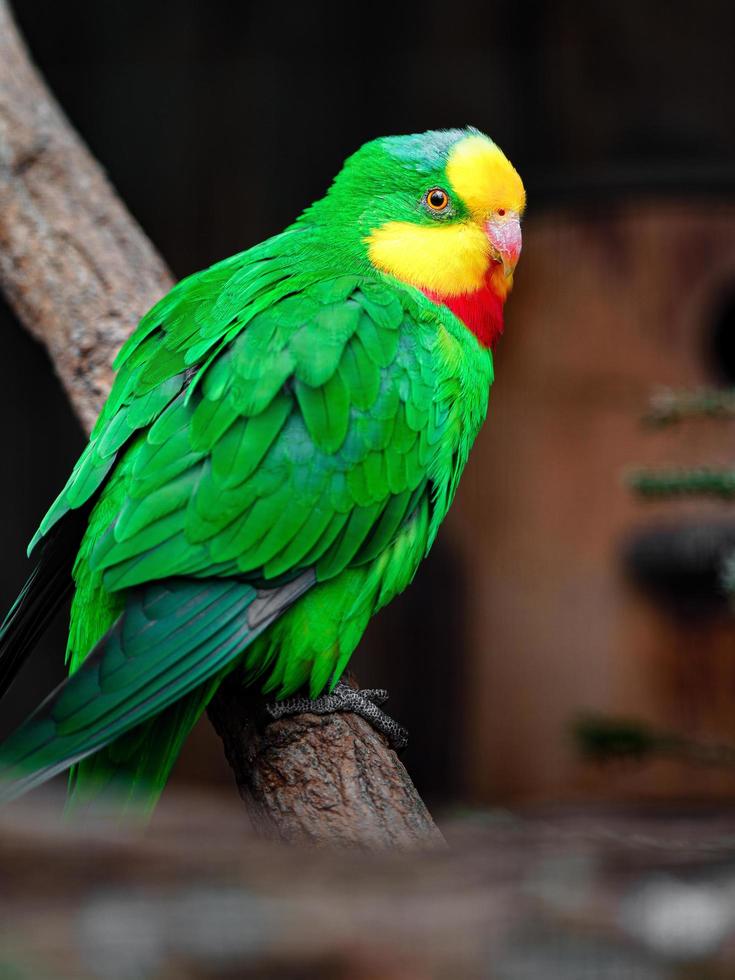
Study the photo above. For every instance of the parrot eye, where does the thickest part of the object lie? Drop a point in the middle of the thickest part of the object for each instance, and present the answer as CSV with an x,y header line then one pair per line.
x,y
437,199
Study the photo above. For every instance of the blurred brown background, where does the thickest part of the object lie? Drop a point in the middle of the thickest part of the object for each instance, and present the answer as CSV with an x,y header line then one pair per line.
x,y
218,122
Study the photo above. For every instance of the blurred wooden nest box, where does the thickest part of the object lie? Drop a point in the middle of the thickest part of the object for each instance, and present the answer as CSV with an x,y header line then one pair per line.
x,y
611,299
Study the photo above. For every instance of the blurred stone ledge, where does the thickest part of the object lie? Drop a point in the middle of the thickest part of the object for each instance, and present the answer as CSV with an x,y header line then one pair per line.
x,y
531,895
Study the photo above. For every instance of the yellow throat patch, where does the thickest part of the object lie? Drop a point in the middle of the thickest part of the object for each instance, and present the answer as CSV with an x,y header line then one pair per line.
x,y
453,258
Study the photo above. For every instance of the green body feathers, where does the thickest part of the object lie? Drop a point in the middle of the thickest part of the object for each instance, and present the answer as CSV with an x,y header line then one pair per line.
x,y
285,435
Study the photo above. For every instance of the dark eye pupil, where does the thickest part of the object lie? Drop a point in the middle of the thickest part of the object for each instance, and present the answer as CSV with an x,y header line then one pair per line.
x,y
438,199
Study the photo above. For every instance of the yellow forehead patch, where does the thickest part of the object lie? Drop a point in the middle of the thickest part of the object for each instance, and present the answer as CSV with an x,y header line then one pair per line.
x,y
484,177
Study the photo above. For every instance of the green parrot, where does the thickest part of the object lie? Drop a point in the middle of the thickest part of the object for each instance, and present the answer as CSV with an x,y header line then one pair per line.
x,y
284,436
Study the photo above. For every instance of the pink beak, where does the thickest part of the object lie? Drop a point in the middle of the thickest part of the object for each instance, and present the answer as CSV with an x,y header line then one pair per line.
x,y
504,235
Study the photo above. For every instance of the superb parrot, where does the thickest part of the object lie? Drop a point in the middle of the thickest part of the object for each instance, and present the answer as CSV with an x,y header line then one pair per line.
x,y
284,436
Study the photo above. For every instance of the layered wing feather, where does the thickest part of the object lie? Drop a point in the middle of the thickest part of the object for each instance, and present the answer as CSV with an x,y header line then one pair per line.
x,y
304,442
174,342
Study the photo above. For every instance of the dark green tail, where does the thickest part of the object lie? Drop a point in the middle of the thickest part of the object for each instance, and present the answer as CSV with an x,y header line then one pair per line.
x,y
168,650
48,585
132,771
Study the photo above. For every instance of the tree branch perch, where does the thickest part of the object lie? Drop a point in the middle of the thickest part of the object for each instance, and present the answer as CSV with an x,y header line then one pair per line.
x,y
79,273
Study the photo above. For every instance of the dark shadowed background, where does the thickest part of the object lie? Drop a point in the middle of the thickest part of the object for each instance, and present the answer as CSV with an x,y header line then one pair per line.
x,y
219,122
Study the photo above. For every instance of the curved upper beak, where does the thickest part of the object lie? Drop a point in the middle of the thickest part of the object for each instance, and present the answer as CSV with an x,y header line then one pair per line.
x,y
504,235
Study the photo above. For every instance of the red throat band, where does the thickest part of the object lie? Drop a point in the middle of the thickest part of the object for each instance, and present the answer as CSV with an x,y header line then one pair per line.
x,y
481,311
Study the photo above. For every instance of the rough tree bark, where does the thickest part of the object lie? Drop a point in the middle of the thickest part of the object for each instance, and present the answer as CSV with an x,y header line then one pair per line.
x,y
79,272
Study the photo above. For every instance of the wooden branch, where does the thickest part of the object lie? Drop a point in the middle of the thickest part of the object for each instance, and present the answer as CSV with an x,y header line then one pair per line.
x,y
79,273
320,779
75,266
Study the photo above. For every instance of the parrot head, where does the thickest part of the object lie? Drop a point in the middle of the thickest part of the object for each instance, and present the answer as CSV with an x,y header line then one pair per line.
x,y
440,211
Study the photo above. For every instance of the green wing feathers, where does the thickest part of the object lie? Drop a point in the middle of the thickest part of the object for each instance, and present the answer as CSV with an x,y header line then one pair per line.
x,y
286,452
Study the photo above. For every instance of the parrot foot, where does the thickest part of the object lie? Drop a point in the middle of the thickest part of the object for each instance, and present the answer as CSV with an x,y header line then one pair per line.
x,y
365,703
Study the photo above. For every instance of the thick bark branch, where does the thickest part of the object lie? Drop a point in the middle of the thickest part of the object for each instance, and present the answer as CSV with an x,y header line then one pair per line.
x,y
320,779
79,273
75,266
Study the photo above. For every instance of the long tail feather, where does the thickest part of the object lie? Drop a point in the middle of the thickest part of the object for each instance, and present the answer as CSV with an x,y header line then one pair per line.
x,y
47,587
130,773
172,637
